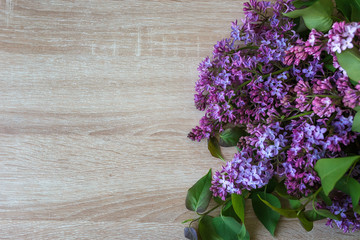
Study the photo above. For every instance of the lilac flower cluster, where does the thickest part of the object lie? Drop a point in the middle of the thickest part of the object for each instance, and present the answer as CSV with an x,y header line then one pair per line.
x,y
342,35
342,206
247,170
219,90
273,84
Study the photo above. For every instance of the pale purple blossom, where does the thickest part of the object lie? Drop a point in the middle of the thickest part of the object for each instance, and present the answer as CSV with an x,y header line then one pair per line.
x,y
341,36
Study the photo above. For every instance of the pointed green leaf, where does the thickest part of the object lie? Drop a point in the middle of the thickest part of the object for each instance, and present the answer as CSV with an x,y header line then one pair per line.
x,y
199,195
190,233
227,227
228,211
207,230
230,137
317,16
268,217
325,198
301,3
330,170
214,148
270,187
295,204
312,215
344,7
351,187
239,206
356,123
289,213
350,62
355,11
244,234
218,200
305,223
327,214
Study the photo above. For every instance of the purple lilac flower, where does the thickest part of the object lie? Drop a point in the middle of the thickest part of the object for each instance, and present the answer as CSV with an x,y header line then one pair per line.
x,y
204,130
294,115
341,36
323,106
315,44
230,66
342,206
296,54
352,97
245,171
322,86
302,89
305,150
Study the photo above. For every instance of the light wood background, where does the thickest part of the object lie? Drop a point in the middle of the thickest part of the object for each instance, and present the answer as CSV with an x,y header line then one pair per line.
x,y
96,102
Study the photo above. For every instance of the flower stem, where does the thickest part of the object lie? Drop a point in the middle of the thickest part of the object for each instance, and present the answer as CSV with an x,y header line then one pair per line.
x,y
329,96
242,48
278,72
299,115
352,168
248,47
206,213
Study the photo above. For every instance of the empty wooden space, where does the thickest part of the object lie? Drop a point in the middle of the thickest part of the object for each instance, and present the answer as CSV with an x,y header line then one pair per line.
x,y
95,105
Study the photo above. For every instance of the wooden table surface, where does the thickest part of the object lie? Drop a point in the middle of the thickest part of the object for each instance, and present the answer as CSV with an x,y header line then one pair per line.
x,y
95,105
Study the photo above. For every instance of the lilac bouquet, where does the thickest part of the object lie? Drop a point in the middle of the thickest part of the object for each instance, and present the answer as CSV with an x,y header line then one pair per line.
x,y
283,90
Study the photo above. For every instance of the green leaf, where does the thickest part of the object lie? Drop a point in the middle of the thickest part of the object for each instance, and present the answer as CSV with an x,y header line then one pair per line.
x,y
190,233
330,170
270,187
199,195
350,9
344,7
300,27
214,148
218,200
317,16
312,215
295,204
301,3
228,210
227,227
289,213
244,234
226,207
330,67
351,187
325,198
328,62
305,223
264,213
353,82
207,230
350,62
355,11
356,123
357,108
238,202
230,137
327,214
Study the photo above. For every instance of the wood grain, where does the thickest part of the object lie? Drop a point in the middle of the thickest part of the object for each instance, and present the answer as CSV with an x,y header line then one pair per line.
x,y
95,105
